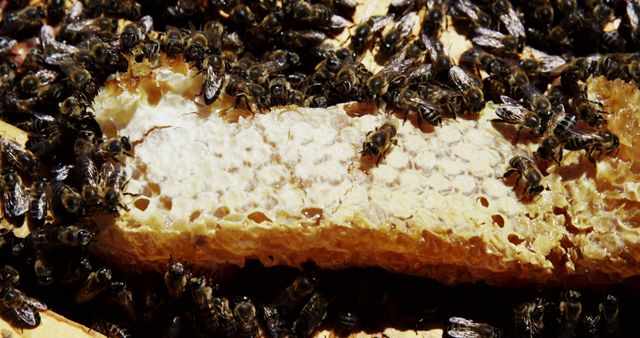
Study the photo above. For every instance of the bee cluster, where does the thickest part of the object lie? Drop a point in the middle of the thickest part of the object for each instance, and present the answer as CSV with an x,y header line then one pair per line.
x,y
277,53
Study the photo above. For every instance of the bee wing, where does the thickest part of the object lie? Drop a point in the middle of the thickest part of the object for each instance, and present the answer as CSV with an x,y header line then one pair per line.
x,y
146,23
632,14
38,305
6,44
27,314
16,200
512,23
461,79
510,113
84,26
407,22
60,172
462,328
557,115
212,85
400,3
431,45
468,8
380,21
106,172
551,62
489,33
486,41
338,22
11,150
46,76
76,10
421,72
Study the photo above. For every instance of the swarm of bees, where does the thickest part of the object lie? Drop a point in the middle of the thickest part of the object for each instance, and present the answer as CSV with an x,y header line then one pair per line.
x,y
277,53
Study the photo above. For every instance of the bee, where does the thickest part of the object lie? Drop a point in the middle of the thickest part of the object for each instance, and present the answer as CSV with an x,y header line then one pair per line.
x,y
279,90
172,41
579,70
113,148
493,88
293,296
246,322
563,126
25,308
111,330
347,79
315,14
434,17
114,178
71,200
595,144
527,171
630,25
528,318
608,322
302,39
75,271
214,31
150,49
19,157
252,96
175,279
34,84
43,270
535,99
52,237
103,27
437,54
311,315
465,328
508,17
123,298
365,33
80,79
183,9
243,16
274,324
135,32
55,11
542,65
14,196
196,47
213,312
214,79
393,39
471,12
18,21
470,87
512,112
497,41
485,61
585,109
543,12
96,283
45,141
33,60
570,309
426,111
346,321
39,203
379,141
84,150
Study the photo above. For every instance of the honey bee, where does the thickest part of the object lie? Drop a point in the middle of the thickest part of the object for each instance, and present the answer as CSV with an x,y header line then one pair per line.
x,y
80,79
378,142
39,203
302,39
497,41
25,308
113,148
52,237
585,109
135,32
113,178
150,49
246,321
33,60
542,65
293,296
527,171
213,79
393,39
42,270
471,12
528,318
14,196
595,144
96,283
365,33
123,298
535,99
252,96
183,9
275,326
465,328
83,149
311,315
562,127
346,321
76,270
426,111
485,61
570,309
608,322
104,27
508,17
470,87
437,54
243,16
55,11
111,330
213,312
314,14
71,200
175,279
434,17
512,112
172,41
18,21
196,47
19,157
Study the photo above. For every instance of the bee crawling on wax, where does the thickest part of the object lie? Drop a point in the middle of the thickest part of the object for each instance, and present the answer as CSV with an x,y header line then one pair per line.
x,y
378,142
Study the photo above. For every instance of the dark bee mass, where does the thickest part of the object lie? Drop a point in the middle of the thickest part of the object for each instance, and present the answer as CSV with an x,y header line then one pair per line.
x,y
268,54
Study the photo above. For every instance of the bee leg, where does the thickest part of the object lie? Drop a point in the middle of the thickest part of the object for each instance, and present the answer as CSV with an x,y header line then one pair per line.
x,y
379,158
515,139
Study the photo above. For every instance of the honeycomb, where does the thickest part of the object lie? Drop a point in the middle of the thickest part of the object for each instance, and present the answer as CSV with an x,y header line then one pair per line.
x,y
211,185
